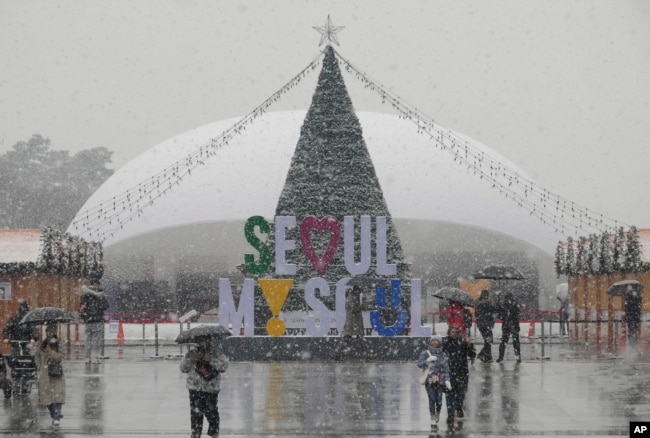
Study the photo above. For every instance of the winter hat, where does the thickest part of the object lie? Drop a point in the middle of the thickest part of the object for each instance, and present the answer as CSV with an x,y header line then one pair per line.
x,y
437,337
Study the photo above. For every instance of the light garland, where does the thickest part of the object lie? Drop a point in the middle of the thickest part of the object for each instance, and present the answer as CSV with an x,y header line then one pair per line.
x,y
551,209
103,220
564,216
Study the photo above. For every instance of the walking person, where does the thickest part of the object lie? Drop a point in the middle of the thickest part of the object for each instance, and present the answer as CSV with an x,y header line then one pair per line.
x,y
204,366
562,294
51,382
633,303
21,334
459,351
456,315
564,316
91,309
353,324
434,360
485,310
509,312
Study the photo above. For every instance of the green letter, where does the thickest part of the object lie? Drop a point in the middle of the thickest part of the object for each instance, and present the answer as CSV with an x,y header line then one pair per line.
x,y
265,253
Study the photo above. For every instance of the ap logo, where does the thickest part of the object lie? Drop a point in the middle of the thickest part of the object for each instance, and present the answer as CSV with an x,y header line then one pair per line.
x,y
640,428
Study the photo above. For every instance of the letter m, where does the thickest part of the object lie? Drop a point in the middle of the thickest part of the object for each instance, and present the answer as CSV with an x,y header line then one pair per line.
x,y
228,312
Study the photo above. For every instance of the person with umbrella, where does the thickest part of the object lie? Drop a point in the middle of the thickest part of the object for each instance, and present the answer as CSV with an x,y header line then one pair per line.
x,y
456,312
204,365
633,303
21,334
509,311
51,383
92,306
485,310
562,294
457,300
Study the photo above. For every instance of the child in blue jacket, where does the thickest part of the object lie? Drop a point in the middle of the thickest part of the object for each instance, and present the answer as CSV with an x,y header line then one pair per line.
x,y
438,381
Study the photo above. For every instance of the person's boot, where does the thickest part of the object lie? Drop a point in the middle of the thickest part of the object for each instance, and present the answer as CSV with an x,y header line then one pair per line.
x,y
450,423
502,352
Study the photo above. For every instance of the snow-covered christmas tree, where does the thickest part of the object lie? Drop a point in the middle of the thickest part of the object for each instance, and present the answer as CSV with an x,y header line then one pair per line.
x,y
332,174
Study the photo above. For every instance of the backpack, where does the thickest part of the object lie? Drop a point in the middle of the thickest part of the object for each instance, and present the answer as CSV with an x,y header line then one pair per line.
x,y
54,368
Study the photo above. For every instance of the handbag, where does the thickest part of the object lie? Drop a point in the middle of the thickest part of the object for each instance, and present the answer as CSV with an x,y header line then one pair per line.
x,y
205,370
425,373
54,368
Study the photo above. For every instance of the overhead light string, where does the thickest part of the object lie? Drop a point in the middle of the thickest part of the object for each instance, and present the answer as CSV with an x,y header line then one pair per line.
x,y
550,208
101,223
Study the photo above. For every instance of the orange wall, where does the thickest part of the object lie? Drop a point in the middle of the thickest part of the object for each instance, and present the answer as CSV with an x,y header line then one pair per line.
x,y
589,292
40,290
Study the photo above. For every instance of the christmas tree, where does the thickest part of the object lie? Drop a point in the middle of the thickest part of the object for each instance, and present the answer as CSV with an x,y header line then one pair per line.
x,y
331,174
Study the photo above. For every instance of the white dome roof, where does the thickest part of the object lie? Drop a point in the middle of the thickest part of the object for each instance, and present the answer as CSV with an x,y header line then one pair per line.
x,y
245,178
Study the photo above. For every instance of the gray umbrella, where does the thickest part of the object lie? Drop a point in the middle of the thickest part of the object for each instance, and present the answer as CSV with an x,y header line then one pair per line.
x,y
45,315
500,272
562,291
622,288
203,331
455,294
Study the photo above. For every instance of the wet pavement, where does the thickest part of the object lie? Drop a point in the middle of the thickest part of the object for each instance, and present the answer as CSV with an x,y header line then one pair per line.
x,y
574,392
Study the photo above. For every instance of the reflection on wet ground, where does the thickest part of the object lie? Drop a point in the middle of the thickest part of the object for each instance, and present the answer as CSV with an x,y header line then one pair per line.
x,y
576,392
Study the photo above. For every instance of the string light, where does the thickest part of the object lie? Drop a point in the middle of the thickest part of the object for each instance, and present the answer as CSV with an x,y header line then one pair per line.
x,y
551,209
97,222
501,177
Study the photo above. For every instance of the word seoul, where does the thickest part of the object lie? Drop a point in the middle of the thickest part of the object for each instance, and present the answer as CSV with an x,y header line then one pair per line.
x,y
318,319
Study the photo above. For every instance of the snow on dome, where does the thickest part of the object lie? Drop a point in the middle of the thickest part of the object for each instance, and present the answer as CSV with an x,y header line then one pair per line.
x,y
246,176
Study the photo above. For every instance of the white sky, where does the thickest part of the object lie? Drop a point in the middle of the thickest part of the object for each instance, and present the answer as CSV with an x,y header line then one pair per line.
x,y
561,88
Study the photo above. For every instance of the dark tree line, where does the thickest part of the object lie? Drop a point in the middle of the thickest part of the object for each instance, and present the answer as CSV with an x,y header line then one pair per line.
x,y
40,187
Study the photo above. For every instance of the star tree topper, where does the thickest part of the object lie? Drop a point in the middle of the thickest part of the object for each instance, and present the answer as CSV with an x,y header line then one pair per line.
x,y
328,32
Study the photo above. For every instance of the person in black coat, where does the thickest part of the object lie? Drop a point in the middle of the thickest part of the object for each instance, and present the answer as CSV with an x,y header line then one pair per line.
x,y
485,311
509,311
15,331
92,306
459,351
633,302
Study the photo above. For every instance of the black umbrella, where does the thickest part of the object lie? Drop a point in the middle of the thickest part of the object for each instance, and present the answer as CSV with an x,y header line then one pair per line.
x,y
45,315
203,331
622,288
455,294
500,272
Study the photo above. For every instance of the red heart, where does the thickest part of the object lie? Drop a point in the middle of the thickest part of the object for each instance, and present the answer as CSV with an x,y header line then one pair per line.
x,y
313,223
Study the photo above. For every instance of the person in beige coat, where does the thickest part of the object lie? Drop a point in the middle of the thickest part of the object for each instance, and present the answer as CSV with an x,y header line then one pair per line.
x,y
51,382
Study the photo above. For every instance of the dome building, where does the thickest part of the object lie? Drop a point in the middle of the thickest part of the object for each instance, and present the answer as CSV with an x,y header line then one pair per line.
x,y
450,222
172,220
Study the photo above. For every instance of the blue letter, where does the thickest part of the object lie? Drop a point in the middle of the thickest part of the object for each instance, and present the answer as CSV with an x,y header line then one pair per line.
x,y
402,315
